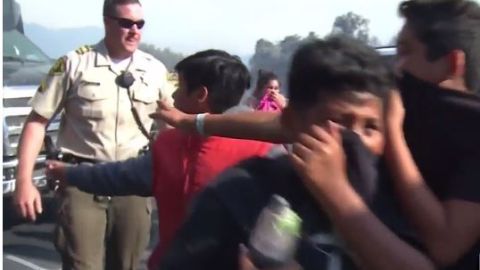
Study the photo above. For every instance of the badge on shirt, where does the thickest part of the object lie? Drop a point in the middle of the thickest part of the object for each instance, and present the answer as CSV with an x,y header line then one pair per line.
x,y
58,68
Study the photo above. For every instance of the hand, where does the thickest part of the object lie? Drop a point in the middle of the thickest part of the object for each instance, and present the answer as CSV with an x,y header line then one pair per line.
x,y
27,200
318,157
245,263
394,117
278,98
395,112
56,172
174,117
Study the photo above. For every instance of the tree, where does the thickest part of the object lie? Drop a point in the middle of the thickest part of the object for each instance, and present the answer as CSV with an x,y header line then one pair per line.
x,y
276,57
265,54
354,25
166,56
311,36
266,57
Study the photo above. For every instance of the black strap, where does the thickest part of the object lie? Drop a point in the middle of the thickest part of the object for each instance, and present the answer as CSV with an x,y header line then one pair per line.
x,y
125,80
136,117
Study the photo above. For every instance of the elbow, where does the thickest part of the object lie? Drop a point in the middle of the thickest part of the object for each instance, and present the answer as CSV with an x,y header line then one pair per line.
x,y
406,261
419,264
422,266
443,256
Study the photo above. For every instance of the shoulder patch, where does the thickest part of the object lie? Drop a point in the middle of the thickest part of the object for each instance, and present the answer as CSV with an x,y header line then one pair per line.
x,y
84,49
58,68
42,86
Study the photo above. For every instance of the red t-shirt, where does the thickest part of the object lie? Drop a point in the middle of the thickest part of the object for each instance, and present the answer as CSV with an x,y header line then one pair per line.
x,y
183,165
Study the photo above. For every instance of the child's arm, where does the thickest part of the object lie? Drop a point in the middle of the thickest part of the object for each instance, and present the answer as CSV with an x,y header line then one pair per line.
x,y
448,229
318,157
263,126
129,177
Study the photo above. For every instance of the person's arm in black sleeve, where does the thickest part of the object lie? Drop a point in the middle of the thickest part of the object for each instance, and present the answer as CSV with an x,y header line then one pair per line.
x,y
130,177
448,228
208,239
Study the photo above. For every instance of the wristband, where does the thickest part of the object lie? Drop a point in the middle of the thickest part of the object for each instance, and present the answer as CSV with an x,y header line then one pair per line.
x,y
200,123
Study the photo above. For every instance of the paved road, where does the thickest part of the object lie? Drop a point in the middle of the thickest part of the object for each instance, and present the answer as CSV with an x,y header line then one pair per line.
x,y
28,246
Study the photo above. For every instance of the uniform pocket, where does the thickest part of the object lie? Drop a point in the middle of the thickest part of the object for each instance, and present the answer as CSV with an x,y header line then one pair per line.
x,y
145,95
91,91
90,112
63,198
92,97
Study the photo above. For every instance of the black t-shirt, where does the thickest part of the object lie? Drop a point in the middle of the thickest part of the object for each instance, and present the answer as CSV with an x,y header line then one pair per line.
x,y
223,215
442,129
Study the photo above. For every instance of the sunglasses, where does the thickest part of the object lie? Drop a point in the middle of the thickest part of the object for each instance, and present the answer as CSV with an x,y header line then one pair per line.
x,y
127,23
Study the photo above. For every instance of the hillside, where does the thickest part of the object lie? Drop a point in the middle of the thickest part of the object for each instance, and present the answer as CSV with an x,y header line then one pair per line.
x,y
56,42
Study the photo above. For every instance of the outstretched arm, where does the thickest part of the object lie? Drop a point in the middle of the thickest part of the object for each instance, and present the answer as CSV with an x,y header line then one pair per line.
x,y
264,126
129,177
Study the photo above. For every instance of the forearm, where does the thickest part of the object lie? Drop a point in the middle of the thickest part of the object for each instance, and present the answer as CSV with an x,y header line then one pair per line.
x,y
373,244
130,177
264,126
29,146
421,206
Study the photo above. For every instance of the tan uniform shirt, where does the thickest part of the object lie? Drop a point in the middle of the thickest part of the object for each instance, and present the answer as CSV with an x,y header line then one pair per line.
x,y
97,121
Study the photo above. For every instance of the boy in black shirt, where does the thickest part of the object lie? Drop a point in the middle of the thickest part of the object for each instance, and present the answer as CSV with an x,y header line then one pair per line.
x,y
433,143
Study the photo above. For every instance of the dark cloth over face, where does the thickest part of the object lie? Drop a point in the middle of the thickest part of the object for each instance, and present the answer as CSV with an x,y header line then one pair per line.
x,y
442,129
362,170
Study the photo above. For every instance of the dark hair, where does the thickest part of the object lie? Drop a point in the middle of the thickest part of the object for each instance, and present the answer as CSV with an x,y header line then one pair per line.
x,y
224,75
263,77
109,6
335,66
447,25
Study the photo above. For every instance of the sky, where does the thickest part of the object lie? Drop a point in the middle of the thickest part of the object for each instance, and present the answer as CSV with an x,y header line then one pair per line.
x,y
187,26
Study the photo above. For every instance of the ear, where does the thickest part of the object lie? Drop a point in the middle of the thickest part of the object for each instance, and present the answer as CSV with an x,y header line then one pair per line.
x,y
201,94
456,60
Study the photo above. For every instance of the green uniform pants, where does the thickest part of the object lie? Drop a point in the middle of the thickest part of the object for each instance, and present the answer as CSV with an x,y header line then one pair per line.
x,y
96,233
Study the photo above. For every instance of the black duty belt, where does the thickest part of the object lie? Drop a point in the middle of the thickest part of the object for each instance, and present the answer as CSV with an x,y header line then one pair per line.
x,y
72,159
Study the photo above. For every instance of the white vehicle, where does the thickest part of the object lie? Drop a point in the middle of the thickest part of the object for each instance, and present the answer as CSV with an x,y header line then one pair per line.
x,y
24,66
388,53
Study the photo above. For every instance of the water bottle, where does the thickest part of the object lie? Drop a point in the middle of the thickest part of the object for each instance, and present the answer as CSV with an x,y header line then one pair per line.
x,y
273,241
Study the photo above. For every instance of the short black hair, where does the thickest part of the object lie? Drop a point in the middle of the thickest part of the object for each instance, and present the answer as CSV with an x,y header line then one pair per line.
x,y
109,6
263,77
444,26
334,66
223,74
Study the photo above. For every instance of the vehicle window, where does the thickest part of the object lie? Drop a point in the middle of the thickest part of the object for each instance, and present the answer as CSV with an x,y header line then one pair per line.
x,y
17,47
